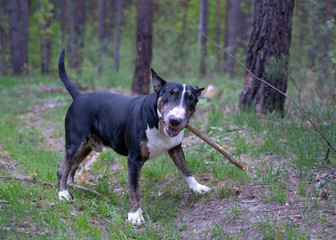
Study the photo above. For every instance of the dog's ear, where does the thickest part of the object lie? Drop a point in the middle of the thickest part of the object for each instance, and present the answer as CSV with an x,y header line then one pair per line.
x,y
158,82
198,90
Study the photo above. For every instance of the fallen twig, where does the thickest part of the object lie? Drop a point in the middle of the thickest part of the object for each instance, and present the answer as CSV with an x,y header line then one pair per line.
x,y
216,146
330,146
53,185
4,202
32,180
89,190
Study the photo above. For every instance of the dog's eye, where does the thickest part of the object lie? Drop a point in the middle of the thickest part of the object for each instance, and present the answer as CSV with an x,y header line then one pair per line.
x,y
189,97
171,93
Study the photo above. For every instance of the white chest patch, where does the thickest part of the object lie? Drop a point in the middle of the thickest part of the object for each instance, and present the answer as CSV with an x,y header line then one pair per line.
x,y
159,143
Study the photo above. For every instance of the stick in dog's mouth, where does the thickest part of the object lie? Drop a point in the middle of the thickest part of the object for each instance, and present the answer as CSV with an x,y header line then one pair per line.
x,y
216,146
210,142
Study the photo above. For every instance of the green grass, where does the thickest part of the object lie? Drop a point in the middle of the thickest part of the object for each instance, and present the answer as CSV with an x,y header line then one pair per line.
x,y
283,158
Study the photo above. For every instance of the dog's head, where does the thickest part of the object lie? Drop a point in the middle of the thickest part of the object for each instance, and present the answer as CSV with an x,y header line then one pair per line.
x,y
176,103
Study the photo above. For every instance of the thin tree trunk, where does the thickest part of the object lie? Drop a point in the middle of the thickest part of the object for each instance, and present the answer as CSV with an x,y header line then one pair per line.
x,y
3,39
78,32
226,29
302,14
144,38
218,34
69,20
232,42
63,20
203,39
14,36
245,15
328,34
185,6
45,43
113,21
101,33
23,18
118,33
268,55
200,21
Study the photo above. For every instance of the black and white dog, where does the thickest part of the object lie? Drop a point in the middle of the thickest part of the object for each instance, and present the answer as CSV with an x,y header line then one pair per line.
x,y
140,128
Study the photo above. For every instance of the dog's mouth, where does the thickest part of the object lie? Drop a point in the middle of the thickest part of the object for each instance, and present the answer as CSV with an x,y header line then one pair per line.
x,y
171,131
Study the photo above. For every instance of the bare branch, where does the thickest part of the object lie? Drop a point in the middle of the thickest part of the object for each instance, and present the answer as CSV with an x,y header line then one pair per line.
x,y
216,146
330,146
34,180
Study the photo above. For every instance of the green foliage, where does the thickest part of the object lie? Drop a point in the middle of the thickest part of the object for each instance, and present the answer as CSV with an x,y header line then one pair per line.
x,y
276,68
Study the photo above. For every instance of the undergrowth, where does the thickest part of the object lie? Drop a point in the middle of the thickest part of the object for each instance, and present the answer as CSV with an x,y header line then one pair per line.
x,y
284,158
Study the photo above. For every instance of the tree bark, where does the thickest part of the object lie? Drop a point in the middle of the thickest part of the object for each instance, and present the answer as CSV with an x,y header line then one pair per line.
x,y
118,33
14,36
232,41
268,55
144,39
203,39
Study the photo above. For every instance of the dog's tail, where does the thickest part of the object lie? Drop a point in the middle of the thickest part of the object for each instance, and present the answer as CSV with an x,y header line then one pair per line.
x,y
74,92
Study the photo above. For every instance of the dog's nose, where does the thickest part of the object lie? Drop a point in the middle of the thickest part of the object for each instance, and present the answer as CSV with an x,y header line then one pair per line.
x,y
174,121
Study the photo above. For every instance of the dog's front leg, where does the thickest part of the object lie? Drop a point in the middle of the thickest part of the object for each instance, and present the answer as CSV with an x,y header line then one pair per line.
x,y
178,158
134,169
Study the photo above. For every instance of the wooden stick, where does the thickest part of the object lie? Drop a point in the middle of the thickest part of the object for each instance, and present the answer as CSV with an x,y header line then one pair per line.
x,y
216,146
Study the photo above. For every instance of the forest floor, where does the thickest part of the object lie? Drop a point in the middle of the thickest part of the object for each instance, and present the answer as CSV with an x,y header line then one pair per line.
x,y
287,192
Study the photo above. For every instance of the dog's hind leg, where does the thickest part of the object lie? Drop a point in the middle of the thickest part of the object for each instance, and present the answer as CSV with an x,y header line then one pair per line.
x,y
177,155
95,144
79,157
73,157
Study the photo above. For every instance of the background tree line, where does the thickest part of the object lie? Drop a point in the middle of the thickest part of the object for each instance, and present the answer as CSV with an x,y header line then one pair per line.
x,y
103,37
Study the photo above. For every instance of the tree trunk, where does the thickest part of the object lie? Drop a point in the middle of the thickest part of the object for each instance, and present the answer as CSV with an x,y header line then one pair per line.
x,y
14,36
3,38
63,20
113,22
144,38
245,15
226,29
200,21
185,6
45,43
218,34
78,32
101,33
23,18
268,55
203,39
326,39
118,33
232,41
69,20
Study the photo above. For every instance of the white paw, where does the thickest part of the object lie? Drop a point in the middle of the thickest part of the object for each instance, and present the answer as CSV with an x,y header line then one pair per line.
x,y
65,195
136,217
195,186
